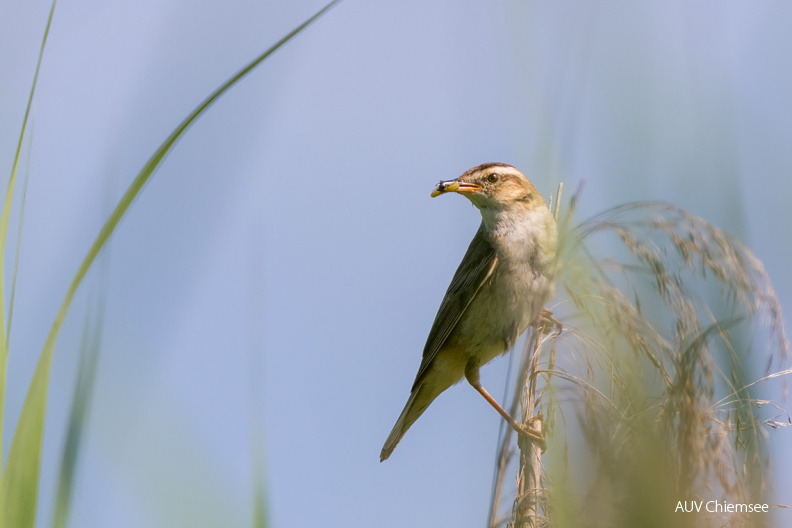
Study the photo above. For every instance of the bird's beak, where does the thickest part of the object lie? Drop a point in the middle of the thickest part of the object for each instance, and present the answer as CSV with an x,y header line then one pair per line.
x,y
455,186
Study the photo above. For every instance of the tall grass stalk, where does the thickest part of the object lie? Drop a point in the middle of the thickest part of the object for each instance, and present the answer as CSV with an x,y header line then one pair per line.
x,y
20,477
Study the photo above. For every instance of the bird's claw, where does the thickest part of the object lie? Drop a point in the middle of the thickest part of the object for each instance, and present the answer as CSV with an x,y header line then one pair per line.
x,y
547,323
535,435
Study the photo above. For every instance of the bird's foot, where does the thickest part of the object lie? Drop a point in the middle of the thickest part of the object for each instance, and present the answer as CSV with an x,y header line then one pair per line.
x,y
533,434
547,323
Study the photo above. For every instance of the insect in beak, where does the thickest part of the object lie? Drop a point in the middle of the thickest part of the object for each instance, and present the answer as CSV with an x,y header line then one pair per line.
x,y
455,186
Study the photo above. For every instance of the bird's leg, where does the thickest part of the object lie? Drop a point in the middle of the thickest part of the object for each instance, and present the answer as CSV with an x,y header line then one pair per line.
x,y
472,375
547,322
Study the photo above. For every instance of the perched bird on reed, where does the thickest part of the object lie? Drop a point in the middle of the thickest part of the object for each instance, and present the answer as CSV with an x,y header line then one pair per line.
x,y
499,289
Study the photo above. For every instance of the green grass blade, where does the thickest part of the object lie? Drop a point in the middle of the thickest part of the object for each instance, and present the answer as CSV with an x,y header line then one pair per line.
x,y
260,517
19,239
4,216
20,491
81,404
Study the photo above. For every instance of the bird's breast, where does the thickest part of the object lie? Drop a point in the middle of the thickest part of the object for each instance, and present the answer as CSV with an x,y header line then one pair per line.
x,y
507,303
522,282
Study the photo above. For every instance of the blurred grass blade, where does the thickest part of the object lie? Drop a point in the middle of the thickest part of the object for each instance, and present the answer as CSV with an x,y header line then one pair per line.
x,y
20,491
256,311
16,259
260,517
19,239
6,213
81,403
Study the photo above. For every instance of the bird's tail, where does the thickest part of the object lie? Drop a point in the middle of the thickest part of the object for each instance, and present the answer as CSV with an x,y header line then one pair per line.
x,y
420,398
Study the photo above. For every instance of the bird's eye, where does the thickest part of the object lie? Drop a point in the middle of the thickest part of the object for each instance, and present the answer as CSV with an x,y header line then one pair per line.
x,y
492,178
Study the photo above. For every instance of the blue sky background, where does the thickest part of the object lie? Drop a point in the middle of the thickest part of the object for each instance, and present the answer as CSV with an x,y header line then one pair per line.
x,y
271,290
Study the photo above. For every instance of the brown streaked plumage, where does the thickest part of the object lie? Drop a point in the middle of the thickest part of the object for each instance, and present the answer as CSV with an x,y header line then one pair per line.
x,y
499,289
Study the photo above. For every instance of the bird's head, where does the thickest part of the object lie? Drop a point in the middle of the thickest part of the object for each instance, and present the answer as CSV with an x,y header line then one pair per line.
x,y
494,187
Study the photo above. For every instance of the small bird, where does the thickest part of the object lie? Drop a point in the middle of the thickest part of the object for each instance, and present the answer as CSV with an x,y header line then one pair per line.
x,y
499,289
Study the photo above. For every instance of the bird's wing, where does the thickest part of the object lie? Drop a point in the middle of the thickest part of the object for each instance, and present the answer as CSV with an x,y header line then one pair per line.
x,y
476,267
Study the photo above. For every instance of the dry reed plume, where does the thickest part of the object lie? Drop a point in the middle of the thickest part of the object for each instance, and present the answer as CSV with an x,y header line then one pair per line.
x,y
658,346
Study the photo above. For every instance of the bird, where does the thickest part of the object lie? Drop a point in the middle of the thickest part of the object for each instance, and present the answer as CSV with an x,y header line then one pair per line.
x,y
500,288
